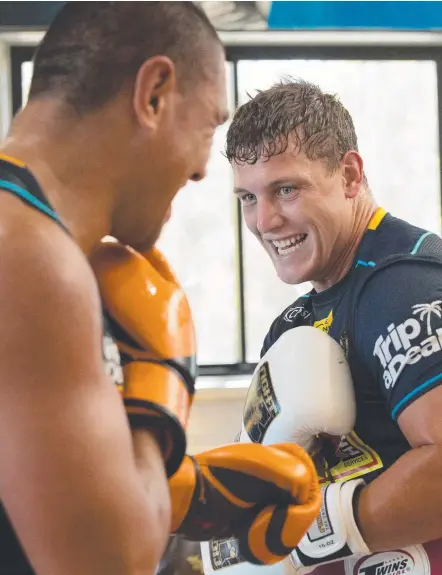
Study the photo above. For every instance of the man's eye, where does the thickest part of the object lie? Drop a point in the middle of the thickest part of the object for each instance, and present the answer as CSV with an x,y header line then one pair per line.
x,y
248,199
285,190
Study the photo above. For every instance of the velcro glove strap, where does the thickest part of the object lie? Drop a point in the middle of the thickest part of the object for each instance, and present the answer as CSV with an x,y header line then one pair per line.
x,y
334,534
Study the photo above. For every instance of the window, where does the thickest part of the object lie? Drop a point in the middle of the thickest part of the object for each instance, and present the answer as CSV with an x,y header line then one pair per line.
x,y
199,241
26,77
232,286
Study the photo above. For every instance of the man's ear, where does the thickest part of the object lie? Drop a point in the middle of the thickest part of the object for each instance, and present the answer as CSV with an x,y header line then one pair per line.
x,y
352,173
154,84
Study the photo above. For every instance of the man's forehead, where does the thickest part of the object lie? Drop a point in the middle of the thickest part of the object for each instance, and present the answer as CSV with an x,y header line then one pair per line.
x,y
215,95
269,164
268,170
218,86
223,107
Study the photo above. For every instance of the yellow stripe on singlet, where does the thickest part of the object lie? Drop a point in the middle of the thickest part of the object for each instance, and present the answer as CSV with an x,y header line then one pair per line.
x,y
11,160
377,218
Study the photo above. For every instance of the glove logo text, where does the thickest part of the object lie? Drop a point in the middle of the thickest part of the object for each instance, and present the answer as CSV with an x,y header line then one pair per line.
x,y
389,563
224,553
321,528
261,405
354,459
410,341
112,361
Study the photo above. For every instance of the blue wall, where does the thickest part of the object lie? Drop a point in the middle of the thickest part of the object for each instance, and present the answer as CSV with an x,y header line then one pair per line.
x,y
310,15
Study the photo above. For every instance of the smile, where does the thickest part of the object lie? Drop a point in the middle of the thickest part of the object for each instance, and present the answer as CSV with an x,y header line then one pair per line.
x,y
289,245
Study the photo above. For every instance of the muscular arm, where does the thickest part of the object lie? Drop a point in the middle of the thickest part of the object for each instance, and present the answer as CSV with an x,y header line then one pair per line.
x,y
68,478
403,506
150,465
400,342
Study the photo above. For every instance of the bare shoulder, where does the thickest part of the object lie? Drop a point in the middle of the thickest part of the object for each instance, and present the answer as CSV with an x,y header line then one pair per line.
x,y
37,258
49,301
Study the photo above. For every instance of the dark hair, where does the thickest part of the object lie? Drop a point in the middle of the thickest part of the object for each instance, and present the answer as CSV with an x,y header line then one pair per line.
x,y
92,49
318,123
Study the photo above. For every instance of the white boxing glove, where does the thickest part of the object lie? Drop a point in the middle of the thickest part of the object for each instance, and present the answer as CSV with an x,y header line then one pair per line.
x,y
301,387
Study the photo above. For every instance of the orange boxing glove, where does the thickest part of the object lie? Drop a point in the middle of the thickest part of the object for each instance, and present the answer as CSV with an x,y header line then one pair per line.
x,y
265,496
151,321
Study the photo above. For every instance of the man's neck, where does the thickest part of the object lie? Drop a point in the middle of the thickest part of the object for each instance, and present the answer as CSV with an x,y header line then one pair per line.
x,y
345,258
69,166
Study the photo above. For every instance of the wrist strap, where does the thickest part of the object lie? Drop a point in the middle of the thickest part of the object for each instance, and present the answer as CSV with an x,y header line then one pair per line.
x,y
334,534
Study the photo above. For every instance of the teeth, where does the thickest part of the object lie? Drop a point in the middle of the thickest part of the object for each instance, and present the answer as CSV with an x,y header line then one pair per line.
x,y
289,241
290,244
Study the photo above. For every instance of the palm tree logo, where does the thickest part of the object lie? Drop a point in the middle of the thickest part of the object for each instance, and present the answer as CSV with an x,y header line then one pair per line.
x,y
427,310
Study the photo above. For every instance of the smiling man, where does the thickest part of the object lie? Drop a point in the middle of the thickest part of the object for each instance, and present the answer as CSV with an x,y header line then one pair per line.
x,y
377,291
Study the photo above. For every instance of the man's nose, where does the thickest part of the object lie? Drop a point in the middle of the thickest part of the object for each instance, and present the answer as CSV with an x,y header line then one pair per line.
x,y
269,217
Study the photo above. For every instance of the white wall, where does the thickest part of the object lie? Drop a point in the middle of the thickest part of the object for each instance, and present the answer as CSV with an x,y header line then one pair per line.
x,y
215,418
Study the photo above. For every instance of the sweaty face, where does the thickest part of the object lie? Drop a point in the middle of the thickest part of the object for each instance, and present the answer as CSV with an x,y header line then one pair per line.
x,y
299,212
179,149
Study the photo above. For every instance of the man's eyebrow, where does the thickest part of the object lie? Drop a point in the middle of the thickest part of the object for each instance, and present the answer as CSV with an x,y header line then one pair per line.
x,y
240,191
279,182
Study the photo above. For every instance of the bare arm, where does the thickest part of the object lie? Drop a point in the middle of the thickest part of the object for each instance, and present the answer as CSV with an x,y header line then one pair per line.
x,y
151,470
68,478
404,505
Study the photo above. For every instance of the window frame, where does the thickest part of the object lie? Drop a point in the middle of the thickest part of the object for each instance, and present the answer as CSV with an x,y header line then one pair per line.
x,y
292,50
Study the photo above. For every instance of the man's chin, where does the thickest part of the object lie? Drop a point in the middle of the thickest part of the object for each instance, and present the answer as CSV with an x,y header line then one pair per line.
x,y
147,243
290,276
297,271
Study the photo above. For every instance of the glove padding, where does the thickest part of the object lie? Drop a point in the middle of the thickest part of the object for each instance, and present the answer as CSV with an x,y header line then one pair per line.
x,y
151,321
266,496
302,387
334,535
